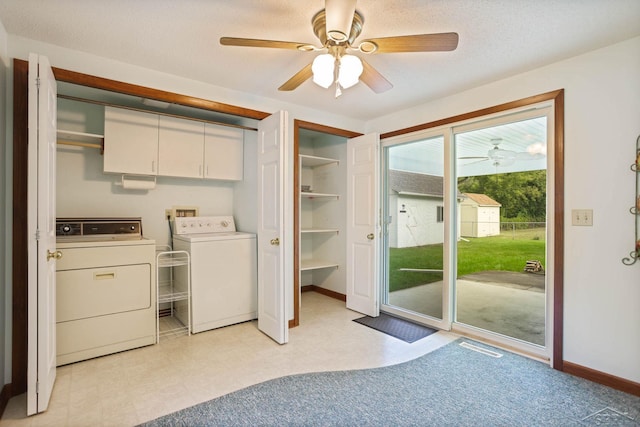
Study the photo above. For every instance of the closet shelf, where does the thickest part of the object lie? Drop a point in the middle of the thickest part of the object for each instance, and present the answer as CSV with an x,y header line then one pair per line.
x,y
307,265
318,195
319,230
80,139
315,161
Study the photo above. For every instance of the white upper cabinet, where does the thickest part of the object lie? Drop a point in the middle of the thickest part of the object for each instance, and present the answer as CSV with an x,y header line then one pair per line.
x,y
131,142
181,147
223,152
141,143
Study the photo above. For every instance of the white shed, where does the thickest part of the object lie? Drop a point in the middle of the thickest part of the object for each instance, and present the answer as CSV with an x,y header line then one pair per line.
x,y
416,207
479,216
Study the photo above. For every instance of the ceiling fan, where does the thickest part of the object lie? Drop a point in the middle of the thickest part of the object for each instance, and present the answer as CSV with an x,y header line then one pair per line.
x,y
502,157
337,27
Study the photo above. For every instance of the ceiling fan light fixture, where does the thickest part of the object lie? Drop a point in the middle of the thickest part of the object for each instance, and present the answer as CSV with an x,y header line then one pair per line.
x,y
339,18
323,70
350,70
500,154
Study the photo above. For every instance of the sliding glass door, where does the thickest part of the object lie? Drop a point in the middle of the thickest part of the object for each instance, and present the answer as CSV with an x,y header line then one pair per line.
x,y
465,228
501,252
415,228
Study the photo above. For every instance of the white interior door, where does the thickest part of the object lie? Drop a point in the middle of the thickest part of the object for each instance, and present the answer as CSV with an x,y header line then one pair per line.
x,y
363,230
41,196
272,319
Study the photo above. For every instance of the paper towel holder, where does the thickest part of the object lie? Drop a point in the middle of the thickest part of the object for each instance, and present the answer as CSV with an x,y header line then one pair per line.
x,y
137,182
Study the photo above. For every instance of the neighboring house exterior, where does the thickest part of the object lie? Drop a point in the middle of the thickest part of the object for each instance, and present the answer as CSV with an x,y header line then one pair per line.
x,y
416,206
479,215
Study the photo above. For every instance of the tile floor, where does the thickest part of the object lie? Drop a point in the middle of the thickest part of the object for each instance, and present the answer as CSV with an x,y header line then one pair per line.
x,y
139,385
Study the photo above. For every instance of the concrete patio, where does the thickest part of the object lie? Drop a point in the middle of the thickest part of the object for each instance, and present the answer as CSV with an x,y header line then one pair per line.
x,y
509,303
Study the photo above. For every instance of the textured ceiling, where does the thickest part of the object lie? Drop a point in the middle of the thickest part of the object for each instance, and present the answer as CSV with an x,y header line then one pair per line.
x,y
498,38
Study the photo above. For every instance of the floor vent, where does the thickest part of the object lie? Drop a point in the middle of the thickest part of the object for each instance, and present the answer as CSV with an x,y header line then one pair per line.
x,y
480,350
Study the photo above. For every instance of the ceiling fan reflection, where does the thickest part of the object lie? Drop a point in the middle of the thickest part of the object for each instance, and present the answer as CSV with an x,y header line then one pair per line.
x,y
501,157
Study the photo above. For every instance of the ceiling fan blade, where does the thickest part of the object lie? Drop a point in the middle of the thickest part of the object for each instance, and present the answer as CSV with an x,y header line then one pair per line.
x,y
298,78
372,78
473,157
480,160
339,18
523,155
416,43
236,41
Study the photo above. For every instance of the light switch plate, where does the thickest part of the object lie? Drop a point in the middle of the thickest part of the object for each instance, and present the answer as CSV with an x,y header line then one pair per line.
x,y
582,217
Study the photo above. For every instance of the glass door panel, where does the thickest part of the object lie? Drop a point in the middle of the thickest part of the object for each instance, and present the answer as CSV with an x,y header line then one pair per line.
x,y
501,251
414,227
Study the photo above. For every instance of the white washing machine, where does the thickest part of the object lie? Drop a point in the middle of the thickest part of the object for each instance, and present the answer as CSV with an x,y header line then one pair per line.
x,y
224,276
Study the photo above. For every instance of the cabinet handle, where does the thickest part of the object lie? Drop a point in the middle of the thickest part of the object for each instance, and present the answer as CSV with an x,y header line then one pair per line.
x,y
275,242
104,276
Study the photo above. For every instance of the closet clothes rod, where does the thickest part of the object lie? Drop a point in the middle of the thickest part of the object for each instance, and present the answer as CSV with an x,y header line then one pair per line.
x,y
178,116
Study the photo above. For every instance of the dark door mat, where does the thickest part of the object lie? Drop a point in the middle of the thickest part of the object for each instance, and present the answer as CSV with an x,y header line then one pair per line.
x,y
398,328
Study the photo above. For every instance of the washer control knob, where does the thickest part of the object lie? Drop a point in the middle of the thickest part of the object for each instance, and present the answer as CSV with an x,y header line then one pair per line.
x,y
225,223
66,228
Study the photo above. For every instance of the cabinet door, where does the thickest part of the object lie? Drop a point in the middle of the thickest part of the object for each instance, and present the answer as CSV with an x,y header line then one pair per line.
x,y
130,142
223,151
180,147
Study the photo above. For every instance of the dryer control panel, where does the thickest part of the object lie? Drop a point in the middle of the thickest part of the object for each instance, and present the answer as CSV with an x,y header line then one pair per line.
x,y
204,224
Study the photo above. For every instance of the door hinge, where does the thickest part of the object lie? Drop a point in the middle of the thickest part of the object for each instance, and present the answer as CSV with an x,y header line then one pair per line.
x,y
37,387
38,234
38,82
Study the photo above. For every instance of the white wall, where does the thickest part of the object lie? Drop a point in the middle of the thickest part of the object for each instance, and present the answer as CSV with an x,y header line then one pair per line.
x,y
5,217
602,106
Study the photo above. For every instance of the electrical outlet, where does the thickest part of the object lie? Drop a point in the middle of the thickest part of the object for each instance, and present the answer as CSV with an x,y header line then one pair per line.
x,y
582,217
168,213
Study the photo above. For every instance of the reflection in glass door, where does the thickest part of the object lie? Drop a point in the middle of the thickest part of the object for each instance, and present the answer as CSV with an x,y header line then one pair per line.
x,y
501,251
414,228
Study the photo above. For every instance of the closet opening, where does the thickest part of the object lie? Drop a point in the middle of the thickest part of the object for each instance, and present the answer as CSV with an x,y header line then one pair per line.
x,y
320,211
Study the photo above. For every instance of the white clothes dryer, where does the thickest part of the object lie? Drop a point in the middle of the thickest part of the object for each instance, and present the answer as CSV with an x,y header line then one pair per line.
x,y
224,277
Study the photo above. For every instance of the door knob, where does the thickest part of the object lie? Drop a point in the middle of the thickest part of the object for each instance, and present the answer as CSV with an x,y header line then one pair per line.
x,y
370,236
275,242
56,255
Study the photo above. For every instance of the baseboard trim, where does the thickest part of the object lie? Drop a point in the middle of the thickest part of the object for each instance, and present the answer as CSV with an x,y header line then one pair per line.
x,y
5,395
612,381
323,291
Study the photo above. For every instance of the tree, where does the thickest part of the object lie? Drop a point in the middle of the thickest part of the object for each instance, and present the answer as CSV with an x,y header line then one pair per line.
x,y
521,194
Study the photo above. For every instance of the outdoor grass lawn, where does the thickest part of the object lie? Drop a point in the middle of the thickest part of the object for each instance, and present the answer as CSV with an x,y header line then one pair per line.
x,y
507,252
